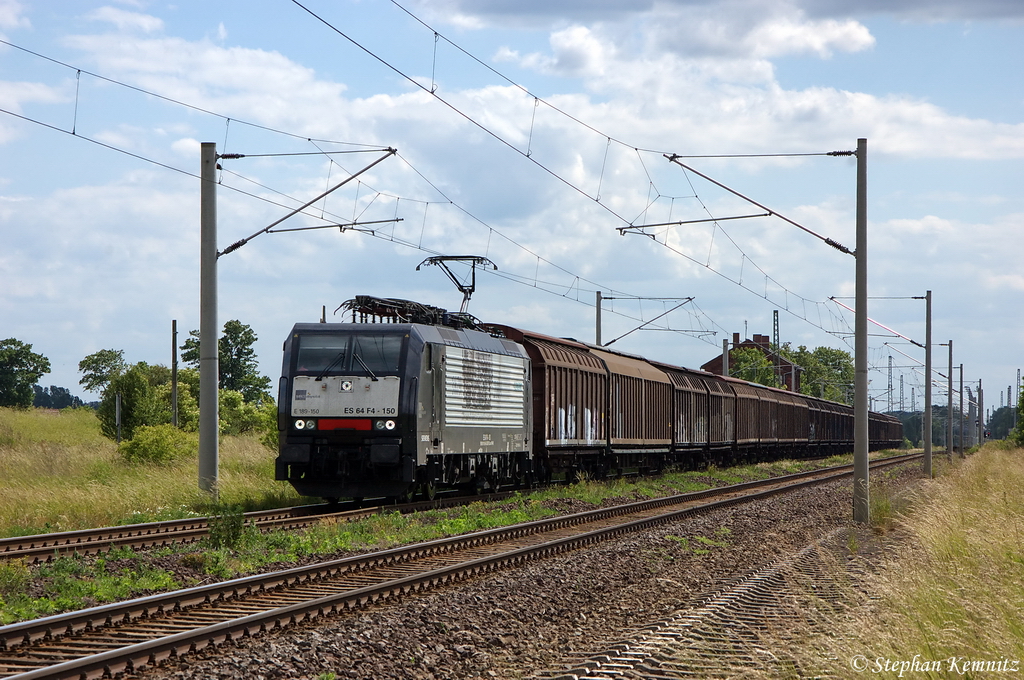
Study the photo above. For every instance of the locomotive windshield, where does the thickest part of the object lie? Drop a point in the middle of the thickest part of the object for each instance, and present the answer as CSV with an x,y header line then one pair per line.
x,y
348,353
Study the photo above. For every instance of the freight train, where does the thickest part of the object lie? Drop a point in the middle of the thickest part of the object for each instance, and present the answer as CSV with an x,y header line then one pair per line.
x,y
409,399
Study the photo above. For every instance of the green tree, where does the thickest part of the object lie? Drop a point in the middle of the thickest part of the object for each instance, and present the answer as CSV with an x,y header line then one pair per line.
x,y
827,371
1017,434
188,399
54,397
156,374
747,363
239,368
20,368
99,368
139,404
159,444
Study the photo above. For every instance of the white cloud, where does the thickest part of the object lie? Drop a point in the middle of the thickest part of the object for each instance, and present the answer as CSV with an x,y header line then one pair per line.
x,y
1004,282
794,35
577,51
260,85
536,13
127,21
11,15
13,94
186,147
674,80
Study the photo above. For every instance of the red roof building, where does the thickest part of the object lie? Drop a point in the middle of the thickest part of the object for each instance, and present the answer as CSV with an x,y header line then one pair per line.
x,y
787,372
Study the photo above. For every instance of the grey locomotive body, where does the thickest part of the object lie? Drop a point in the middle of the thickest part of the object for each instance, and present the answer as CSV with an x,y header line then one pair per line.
x,y
369,409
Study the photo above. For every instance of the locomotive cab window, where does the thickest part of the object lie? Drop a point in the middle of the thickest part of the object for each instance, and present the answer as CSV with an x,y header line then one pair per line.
x,y
377,353
346,353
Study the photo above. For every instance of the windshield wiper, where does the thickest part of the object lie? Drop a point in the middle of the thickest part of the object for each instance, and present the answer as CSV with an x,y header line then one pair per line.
x,y
337,360
365,367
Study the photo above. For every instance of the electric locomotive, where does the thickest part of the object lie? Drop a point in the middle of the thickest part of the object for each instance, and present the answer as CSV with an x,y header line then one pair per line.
x,y
437,400
399,409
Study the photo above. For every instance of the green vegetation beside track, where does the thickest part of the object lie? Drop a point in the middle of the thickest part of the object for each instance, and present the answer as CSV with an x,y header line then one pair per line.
x,y
59,473
949,602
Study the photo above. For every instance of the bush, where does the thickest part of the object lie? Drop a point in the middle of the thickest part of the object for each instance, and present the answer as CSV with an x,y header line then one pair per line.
x,y
158,444
138,404
226,528
188,407
14,577
238,416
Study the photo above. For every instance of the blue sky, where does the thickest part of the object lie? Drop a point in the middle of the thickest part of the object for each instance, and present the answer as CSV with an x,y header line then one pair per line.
x,y
544,135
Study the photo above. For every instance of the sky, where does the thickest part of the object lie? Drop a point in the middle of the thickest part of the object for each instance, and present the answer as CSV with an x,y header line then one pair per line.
x,y
547,136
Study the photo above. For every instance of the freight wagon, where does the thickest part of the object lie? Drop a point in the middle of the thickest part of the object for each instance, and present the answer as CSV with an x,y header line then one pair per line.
x,y
435,400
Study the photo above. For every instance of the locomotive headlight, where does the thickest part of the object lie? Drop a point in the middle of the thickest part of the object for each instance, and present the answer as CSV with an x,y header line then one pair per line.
x,y
300,424
310,424
378,425
389,424
305,424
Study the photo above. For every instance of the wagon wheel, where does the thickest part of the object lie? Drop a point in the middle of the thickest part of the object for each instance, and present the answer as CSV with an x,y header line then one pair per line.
x,y
479,484
406,496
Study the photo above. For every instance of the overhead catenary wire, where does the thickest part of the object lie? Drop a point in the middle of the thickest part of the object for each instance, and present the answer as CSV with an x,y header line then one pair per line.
x,y
609,139
674,158
172,100
549,287
538,102
458,111
234,156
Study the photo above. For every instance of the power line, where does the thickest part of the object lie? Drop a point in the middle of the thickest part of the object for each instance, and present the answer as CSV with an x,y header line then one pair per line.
x,y
464,115
596,198
99,143
674,158
227,119
235,156
371,233
171,100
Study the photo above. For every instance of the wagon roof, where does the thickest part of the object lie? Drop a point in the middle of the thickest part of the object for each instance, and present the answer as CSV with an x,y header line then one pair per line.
x,y
555,351
624,365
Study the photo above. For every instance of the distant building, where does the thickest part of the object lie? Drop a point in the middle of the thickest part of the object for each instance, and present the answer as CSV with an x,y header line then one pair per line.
x,y
787,372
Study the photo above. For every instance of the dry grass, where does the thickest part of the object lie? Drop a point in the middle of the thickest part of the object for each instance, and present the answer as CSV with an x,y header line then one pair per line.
x,y
955,592
58,473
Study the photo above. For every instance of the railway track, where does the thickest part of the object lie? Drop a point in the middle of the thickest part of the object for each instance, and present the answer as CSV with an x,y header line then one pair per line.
x,y
123,637
742,629
45,547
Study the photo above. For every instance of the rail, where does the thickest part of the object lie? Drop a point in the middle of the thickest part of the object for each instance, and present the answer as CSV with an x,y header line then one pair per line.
x,y
183,621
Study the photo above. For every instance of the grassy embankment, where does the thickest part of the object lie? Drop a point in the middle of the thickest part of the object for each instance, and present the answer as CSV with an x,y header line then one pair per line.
x,y
949,604
58,473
